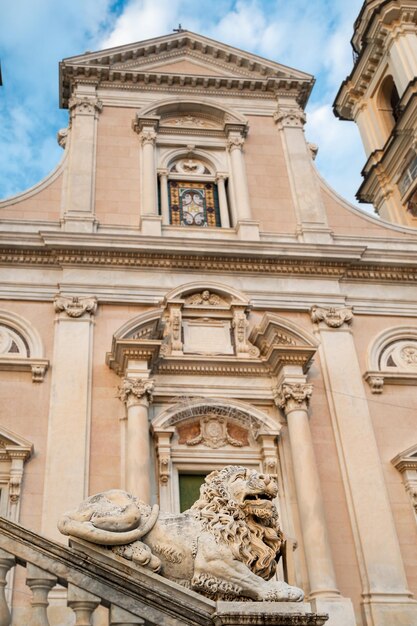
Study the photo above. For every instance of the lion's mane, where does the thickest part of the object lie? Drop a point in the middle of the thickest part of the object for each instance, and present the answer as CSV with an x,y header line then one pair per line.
x,y
255,542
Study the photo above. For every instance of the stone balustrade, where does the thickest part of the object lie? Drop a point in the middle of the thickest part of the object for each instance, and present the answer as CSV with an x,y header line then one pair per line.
x,y
131,595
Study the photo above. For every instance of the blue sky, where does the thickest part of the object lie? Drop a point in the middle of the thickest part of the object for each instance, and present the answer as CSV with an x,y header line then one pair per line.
x,y
310,35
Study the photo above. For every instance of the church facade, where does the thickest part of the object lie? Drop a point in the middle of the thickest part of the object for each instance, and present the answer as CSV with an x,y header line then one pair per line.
x,y
185,292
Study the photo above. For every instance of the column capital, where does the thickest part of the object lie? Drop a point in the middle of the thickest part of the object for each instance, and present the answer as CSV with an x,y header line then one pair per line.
x,y
293,396
84,105
74,306
221,176
162,171
333,317
136,391
289,117
148,136
235,142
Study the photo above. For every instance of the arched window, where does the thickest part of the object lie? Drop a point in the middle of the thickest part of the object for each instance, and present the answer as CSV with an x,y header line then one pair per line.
x,y
192,193
388,104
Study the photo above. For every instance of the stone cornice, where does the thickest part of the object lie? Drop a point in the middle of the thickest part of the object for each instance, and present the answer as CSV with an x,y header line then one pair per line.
x,y
350,268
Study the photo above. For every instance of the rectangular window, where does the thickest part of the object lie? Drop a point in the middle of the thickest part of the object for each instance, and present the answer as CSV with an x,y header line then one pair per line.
x,y
189,489
193,204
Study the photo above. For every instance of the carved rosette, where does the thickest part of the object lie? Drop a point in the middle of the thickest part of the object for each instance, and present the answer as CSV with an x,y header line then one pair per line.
x,y
148,136
235,142
135,390
289,117
333,317
84,106
74,306
293,397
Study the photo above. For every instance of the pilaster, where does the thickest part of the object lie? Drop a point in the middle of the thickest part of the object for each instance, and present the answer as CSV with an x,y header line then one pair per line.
x,y
385,598
79,182
67,456
311,214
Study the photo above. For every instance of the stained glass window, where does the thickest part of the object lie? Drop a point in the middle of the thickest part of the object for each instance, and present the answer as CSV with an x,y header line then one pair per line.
x,y
193,204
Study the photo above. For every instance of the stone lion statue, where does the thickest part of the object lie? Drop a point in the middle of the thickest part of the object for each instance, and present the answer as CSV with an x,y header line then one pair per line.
x,y
225,547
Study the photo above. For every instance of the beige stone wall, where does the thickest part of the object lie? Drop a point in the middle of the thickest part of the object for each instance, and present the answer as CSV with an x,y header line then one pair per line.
x,y
268,182
118,174
43,203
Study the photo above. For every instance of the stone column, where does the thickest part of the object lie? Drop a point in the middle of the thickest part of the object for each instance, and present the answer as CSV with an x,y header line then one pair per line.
x,y
293,399
79,179
223,205
386,599
68,443
136,393
149,199
163,186
309,206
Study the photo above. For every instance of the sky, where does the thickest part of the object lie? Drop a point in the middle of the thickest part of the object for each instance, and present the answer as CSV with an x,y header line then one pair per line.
x,y
309,35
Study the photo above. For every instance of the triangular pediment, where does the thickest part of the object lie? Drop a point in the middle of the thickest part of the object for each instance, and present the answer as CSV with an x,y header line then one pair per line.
x,y
12,444
185,52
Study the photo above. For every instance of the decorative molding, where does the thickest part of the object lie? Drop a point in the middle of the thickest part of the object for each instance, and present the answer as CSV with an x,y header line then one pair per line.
x,y
333,317
293,396
406,463
21,347
240,327
289,117
207,263
135,389
75,306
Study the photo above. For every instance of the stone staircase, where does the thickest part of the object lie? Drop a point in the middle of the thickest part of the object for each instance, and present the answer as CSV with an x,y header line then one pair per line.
x,y
131,595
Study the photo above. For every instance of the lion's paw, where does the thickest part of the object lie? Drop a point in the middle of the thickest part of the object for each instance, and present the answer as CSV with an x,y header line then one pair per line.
x,y
281,592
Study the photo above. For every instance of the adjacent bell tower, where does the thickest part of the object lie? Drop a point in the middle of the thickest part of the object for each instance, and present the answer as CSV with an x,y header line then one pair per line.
x,y
380,95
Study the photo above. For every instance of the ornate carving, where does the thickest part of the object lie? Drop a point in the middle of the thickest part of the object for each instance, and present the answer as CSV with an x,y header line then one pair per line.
x,y
408,355
214,432
291,117
164,470
332,316
240,326
133,389
38,373
234,521
84,105
62,136
148,136
172,335
376,383
75,306
293,396
205,298
235,142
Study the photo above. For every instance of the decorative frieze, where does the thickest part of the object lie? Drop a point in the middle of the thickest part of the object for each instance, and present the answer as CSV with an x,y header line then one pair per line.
x,y
75,306
205,298
135,389
333,317
293,396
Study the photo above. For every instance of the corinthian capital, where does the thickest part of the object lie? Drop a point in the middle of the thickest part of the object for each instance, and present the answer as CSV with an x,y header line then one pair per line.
x,y
85,105
235,142
74,306
134,389
332,316
290,117
293,396
148,135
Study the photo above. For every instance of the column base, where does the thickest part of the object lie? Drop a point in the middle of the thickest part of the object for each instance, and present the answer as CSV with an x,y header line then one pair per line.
x,y
248,230
79,224
151,225
386,610
340,610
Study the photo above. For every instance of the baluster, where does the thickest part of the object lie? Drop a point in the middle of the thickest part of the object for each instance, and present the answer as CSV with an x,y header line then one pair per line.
x,y
120,617
40,584
83,603
7,561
